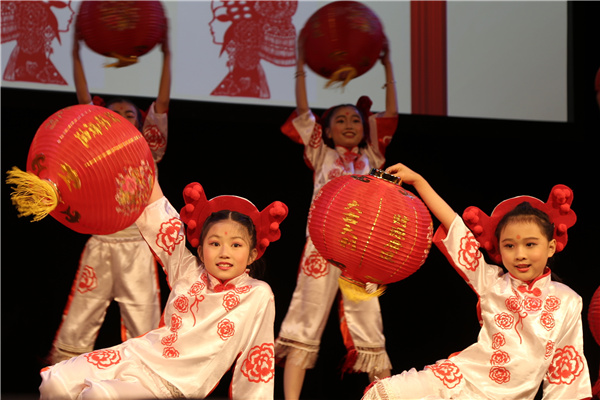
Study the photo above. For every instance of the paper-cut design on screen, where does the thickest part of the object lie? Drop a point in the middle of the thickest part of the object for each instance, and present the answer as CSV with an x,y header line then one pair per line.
x,y
251,31
34,26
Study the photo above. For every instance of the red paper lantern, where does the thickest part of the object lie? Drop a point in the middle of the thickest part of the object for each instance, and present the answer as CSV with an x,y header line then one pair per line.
x,y
122,29
371,228
342,40
594,315
87,167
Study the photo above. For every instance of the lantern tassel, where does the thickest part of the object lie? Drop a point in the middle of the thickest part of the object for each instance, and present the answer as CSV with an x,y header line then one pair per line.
x,y
348,71
32,195
122,61
356,291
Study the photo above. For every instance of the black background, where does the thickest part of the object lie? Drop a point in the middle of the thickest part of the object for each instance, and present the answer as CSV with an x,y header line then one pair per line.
x,y
238,149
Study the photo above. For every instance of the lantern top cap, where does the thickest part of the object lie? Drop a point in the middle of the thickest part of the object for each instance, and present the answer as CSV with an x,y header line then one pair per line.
x,y
379,173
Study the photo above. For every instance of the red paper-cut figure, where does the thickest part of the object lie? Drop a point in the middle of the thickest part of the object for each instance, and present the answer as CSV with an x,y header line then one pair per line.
x,y
34,26
251,31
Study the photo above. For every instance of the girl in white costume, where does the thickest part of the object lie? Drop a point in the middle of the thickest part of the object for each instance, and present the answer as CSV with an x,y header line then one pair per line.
x,y
347,139
216,315
531,330
118,266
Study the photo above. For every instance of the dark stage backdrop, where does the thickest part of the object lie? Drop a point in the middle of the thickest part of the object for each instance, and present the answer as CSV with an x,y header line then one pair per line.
x,y
238,149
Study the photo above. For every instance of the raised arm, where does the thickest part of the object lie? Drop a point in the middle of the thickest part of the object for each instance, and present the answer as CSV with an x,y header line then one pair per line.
x,y
301,97
391,101
81,86
164,88
442,211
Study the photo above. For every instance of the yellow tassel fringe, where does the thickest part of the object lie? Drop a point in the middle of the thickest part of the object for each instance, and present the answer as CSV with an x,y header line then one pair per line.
x,y
356,291
336,76
32,195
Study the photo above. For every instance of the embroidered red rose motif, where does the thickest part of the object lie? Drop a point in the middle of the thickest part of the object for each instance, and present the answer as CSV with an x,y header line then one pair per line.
x,y
196,288
181,303
532,303
552,303
243,289
317,137
359,165
549,349
231,301
513,304
498,341
87,280
468,254
447,372
314,265
566,365
169,235
504,320
169,339
103,358
500,375
154,138
499,358
334,173
176,322
225,329
259,366
170,352
547,320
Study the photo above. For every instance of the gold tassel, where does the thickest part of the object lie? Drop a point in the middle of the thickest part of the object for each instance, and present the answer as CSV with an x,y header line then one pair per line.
x,y
122,61
32,195
356,291
336,76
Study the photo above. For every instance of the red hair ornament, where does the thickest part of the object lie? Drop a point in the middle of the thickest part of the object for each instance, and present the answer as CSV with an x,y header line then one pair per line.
x,y
197,209
558,208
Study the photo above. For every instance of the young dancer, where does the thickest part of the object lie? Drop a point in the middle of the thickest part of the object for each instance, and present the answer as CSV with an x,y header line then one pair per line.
x,y
347,139
531,329
216,315
118,266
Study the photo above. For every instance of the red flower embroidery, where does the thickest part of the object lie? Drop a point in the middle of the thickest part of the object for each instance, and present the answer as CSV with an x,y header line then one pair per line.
x,y
317,137
196,288
498,341
334,173
499,375
231,301
499,358
552,303
447,372
169,339
359,165
259,366
170,352
469,255
314,265
169,235
225,329
154,138
549,349
176,322
566,365
243,289
103,358
532,303
504,320
513,304
87,280
181,303
547,320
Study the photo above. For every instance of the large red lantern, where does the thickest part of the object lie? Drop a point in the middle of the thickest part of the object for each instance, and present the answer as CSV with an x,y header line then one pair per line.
x,y
594,315
371,228
342,40
125,30
89,168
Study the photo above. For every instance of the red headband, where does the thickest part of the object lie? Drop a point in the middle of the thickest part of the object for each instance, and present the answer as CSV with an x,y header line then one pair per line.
x,y
558,208
197,209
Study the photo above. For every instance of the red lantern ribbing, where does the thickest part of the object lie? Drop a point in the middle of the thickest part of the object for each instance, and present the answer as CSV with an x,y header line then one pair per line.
x,y
89,168
371,228
342,40
125,30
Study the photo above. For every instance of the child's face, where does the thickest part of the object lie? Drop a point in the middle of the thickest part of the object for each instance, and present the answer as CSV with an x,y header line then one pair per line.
x,y
525,250
226,250
126,110
345,127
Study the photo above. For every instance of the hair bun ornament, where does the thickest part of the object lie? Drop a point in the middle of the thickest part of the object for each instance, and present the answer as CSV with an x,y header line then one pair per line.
x,y
558,208
197,209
